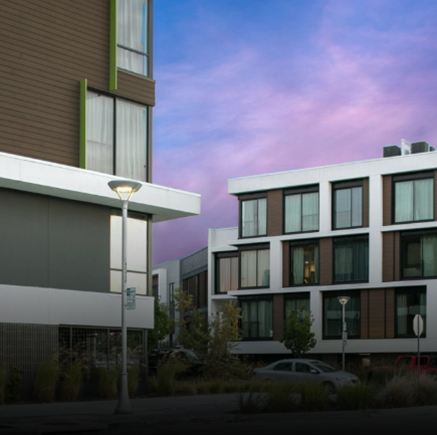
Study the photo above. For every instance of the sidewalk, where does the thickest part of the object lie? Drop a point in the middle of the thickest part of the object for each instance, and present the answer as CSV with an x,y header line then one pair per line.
x,y
200,414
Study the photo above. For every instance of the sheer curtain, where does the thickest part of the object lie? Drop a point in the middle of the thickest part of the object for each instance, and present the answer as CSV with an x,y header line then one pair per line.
x,y
248,269
263,267
265,319
401,314
423,199
100,133
262,216
357,206
225,274
343,208
249,218
360,261
131,140
429,255
343,262
298,265
310,211
404,201
293,213
132,33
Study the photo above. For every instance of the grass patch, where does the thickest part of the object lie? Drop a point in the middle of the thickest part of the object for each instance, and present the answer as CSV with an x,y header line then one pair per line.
x,y
355,397
249,403
314,396
280,397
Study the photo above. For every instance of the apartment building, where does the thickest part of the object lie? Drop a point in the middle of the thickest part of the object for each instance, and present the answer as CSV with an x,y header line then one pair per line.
x,y
366,230
77,93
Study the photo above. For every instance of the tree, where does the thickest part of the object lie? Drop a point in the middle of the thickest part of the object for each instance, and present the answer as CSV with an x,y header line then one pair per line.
x,y
297,335
162,325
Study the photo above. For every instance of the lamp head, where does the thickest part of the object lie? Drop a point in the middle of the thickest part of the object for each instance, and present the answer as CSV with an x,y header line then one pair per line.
x,y
124,188
343,299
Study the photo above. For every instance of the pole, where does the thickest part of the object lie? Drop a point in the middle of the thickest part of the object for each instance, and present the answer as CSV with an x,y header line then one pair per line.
x,y
418,345
342,336
123,406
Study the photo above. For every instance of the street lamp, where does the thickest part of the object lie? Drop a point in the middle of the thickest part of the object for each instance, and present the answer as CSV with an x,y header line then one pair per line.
x,y
343,301
124,190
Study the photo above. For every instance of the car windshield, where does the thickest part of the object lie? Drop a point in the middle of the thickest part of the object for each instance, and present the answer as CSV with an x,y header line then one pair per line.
x,y
323,367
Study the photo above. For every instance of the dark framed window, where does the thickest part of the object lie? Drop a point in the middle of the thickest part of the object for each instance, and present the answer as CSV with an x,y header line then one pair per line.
x,y
409,302
253,212
296,302
117,132
332,314
348,204
419,255
255,267
413,197
133,36
226,272
301,209
257,318
351,259
304,263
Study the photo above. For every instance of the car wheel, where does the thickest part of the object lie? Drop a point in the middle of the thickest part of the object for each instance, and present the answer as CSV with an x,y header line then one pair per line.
x,y
330,387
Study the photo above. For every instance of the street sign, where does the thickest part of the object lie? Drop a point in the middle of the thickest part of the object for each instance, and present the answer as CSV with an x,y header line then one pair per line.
x,y
418,325
131,298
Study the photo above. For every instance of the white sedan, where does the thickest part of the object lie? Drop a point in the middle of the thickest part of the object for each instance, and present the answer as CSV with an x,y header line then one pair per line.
x,y
298,370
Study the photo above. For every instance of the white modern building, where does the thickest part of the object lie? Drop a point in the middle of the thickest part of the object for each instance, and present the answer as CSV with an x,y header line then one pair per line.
x,y
366,230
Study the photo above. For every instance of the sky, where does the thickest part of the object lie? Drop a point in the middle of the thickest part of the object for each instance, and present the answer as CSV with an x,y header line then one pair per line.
x,y
248,87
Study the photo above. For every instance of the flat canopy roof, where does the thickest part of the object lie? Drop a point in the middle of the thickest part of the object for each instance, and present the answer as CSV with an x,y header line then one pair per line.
x,y
52,179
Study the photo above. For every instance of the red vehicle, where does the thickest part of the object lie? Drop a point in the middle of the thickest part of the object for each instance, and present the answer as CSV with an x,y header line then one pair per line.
x,y
428,364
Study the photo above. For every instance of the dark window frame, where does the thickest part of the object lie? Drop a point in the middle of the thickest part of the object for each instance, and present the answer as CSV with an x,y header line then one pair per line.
x,y
258,247
217,257
295,295
410,291
255,298
251,197
298,244
343,185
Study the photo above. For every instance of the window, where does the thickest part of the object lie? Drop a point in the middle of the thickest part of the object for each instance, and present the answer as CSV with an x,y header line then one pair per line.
x,y
257,319
116,136
409,302
296,302
132,36
332,315
226,272
351,259
255,268
348,204
301,209
304,263
413,197
419,255
254,217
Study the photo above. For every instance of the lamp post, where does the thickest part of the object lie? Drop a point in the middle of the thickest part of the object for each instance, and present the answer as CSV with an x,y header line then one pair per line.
x,y
343,301
124,190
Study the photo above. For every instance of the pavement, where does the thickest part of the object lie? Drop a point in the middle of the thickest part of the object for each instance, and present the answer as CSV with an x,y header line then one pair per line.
x,y
212,414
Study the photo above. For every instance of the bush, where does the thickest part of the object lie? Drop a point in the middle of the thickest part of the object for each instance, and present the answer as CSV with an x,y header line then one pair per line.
x,y
133,377
280,397
166,377
249,403
3,380
71,382
44,389
314,396
355,397
12,387
108,380
396,393
425,390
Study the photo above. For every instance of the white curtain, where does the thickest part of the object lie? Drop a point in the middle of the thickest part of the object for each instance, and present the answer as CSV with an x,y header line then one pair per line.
x,y
343,263
249,218
100,133
248,269
343,208
310,211
293,214
132,33
262,216
298,265
404,201
263,267
423,199
225,274
131,140
316,265
357,207
429,255
265,319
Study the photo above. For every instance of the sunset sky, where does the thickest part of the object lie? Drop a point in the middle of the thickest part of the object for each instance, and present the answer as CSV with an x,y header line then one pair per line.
x,y
247,87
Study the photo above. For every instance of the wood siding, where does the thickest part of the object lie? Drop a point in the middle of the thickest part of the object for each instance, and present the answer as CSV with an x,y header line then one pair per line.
x,y
278,316
388,255
377,314
386,200
326,261
48,47
274,212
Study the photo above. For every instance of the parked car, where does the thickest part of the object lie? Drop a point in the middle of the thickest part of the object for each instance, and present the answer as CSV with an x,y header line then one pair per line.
x,y
299,370
157,357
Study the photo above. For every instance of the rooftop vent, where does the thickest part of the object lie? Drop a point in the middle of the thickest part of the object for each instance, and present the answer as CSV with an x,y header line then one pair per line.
x,y
407,148
420,147
392,150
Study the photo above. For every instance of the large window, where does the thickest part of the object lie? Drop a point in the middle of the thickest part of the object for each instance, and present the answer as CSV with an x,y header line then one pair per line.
x,y
257,319
419,255
348,204
332,314
351,259
409,302
132,35
413,197
116,136
296,302
304,263
254,217
226,272
255,268
301,209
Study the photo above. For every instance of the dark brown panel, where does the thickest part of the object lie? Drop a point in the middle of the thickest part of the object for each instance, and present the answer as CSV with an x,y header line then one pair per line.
x,y
388,266
274,212
365,202
326,261
386,199
377,313
278,316
397,256
364,314
135,87
389,313
285,264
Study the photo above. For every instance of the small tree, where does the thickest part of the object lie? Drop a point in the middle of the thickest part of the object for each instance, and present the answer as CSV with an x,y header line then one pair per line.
x,y
162,325
297,335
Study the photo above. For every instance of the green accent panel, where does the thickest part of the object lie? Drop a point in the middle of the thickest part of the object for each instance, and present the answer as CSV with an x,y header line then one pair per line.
x,y
113,47
82,127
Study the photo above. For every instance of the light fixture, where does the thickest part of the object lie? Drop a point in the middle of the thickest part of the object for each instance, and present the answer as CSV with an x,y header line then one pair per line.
x,y
343,301
124,188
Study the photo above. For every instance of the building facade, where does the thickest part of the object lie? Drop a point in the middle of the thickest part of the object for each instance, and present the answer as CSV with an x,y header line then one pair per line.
x,y
77,94
366,230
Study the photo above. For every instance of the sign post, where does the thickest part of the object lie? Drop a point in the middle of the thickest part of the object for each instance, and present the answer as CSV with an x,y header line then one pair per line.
x,y
418,329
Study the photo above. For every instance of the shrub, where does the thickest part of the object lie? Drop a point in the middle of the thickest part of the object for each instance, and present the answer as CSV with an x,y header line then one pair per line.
x,y
249,403
44,389
354,397
133,377
425,390
12,387
314,396
3,380
166,375
396,393
280,397
71,381
108,380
